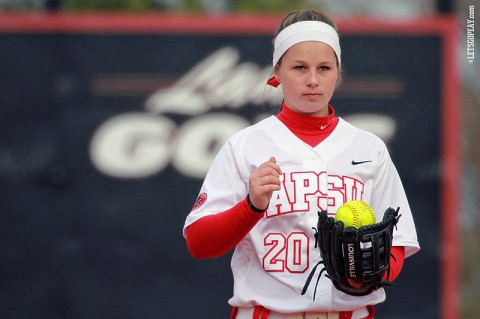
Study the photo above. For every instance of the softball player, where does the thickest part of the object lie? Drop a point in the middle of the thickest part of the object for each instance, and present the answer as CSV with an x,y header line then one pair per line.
x,y
264,189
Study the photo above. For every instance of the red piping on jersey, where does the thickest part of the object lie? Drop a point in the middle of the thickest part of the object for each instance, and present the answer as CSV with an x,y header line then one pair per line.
x,y
345,315
265,312
371,311
234,312
260,310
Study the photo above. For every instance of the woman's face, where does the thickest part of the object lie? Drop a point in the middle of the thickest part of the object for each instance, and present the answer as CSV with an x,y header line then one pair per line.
x,y
308,72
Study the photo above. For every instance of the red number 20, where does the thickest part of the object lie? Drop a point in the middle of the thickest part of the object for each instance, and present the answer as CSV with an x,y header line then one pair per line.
x,y
287,253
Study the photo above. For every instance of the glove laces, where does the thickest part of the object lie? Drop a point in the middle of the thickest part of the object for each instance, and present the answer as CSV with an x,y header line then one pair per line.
x,y
310,276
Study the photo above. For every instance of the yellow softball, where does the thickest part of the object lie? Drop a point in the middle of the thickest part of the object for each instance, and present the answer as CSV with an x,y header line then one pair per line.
x,y
367,215
349,214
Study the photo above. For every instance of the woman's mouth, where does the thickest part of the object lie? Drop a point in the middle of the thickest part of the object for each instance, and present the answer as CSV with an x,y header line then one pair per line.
x,y
312,95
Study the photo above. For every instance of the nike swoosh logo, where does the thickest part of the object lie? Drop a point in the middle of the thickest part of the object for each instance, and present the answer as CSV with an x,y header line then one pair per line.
x,y
361,162
322,127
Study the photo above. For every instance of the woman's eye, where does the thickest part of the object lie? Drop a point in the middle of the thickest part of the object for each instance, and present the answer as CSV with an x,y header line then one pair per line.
x,y
324,68
299,67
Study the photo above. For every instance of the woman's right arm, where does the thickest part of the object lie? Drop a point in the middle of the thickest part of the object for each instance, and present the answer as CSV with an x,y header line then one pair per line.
x,y
215,235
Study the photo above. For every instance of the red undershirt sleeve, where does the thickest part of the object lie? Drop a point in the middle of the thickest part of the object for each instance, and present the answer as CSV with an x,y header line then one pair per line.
x,y
215,235
396,263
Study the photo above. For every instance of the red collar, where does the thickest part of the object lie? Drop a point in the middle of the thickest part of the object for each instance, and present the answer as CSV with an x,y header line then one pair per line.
x,y
307,124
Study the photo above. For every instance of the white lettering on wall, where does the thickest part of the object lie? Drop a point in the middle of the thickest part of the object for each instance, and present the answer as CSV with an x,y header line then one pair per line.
x,y
142,144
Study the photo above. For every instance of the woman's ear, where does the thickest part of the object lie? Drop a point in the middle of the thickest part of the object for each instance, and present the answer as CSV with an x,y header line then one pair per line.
x,y
275,74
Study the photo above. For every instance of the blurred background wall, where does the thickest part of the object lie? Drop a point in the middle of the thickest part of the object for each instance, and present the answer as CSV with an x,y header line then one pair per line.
x,y
77,243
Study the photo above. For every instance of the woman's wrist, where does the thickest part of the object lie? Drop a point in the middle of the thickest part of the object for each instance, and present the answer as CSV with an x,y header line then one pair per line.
x,y
252,207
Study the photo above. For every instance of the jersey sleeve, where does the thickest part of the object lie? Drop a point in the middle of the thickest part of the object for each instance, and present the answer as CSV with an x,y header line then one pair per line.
x,y
223,187
387,192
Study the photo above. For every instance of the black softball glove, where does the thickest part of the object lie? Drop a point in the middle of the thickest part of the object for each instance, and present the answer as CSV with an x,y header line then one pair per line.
x,y
359,255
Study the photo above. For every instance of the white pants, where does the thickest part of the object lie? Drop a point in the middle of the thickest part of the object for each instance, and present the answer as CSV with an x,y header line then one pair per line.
x,y
247,313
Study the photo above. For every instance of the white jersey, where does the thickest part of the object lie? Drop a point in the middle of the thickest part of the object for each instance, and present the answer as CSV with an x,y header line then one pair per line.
x,y
271,264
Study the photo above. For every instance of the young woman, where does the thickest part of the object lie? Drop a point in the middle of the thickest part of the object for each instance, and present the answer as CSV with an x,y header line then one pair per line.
x,y
264,189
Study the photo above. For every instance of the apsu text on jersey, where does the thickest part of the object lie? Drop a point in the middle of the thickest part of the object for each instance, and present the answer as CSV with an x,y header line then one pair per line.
x,y
308,191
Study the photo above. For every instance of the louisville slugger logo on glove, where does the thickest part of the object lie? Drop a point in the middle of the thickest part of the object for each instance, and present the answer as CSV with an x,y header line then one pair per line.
x,y
354,255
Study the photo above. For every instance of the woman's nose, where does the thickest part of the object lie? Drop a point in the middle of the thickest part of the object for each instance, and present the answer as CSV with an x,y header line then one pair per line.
x,y
312,79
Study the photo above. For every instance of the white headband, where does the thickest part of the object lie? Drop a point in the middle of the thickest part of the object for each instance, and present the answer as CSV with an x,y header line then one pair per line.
x,y
305,31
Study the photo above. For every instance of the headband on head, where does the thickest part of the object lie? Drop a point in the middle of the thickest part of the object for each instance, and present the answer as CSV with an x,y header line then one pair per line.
x,y
301,32
305,31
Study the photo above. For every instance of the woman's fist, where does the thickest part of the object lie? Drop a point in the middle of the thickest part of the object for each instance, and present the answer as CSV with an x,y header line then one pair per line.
x,y
264,180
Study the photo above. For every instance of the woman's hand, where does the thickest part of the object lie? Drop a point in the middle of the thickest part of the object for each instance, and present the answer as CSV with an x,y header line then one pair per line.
x,y
263,182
